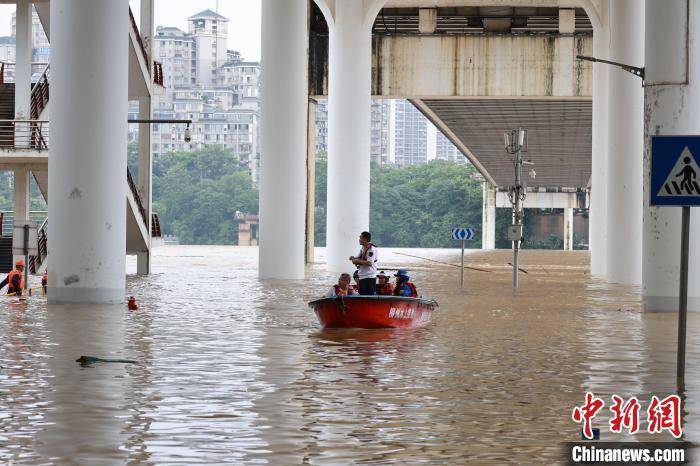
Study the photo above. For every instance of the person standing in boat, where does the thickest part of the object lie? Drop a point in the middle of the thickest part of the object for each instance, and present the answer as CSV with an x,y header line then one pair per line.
x,y
366,263
403,286
343,288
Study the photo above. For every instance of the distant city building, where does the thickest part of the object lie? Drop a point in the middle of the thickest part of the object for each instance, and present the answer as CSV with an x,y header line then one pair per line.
x,y
400,135
208,84
41,48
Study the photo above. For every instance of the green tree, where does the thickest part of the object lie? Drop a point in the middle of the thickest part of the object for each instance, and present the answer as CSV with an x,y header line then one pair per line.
x,y
197,194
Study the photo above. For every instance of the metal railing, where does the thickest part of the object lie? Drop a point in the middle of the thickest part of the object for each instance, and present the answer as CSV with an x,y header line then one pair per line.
x,y
7,70
158,73
137,197
7,217
155,226
24,134
135,28
42,239
40,94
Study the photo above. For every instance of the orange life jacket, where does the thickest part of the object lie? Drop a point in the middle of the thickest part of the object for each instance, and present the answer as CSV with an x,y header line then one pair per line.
x,y
386,290
10,286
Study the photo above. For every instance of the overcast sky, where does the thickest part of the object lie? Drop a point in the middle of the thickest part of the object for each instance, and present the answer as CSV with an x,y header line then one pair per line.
x,y
243,15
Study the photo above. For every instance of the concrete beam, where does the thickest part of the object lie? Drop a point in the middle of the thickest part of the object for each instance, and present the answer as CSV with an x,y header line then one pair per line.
x,y
450,66
541,200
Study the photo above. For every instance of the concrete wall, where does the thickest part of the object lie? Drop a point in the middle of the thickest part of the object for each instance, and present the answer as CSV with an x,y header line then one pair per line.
x,y
469,65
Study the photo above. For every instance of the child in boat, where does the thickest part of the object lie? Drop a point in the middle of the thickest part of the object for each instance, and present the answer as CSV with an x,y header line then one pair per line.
x,y
403,286
343,288
356,279
384,287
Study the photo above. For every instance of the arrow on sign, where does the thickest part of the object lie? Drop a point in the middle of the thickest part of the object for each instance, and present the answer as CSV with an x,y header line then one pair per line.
x,y
462,234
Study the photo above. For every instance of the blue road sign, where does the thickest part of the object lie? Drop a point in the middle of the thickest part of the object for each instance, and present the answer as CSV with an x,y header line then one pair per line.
x,y
462,233
675,174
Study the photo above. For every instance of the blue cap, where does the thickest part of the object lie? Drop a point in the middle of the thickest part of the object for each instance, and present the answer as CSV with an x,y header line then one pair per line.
x,y
401,273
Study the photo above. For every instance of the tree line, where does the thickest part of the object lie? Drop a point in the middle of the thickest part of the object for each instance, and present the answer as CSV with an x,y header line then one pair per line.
x,y
196,195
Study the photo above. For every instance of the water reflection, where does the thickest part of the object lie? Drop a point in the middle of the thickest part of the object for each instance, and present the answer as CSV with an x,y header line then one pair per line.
x,y
232,369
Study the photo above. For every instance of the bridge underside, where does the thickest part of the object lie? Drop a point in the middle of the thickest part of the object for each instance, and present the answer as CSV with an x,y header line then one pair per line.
x,y
559,136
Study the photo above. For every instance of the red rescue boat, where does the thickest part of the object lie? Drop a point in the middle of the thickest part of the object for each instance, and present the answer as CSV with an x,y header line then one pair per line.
x,y
357,311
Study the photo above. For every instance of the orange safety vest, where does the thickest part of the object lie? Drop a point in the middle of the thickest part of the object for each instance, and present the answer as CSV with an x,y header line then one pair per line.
x,y
386,290
10,276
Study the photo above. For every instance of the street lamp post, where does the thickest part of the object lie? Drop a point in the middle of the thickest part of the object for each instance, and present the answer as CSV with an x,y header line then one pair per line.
x,y
516,145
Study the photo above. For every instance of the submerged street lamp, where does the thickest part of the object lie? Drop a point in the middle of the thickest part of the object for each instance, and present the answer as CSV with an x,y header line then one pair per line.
x,y
516,144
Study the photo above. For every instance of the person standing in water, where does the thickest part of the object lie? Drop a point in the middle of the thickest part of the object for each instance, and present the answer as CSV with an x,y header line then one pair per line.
x,y
366,263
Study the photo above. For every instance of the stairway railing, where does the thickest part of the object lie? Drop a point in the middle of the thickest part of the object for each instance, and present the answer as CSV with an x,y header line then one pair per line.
x,y
155,226
158,73
137,197
40,94
24,134
35,262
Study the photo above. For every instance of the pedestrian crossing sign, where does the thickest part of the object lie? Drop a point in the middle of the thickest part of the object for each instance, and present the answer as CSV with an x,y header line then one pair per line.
x,y
675,174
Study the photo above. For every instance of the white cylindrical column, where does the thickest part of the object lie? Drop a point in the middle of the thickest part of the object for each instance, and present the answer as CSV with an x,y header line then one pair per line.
x,y
23,66
598,197
671,107
488,218
87,165
568,229
349,104
283,145
625,145
20,199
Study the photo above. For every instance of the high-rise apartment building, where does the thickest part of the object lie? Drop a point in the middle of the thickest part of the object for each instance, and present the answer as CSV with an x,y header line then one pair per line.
x,y
210,85
400,135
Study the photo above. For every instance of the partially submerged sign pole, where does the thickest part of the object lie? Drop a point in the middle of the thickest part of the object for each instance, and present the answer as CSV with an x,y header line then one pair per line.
x,y
683,299
675,181
462,234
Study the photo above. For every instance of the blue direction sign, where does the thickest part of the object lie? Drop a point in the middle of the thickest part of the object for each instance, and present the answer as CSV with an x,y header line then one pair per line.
x,y
675,174
462,233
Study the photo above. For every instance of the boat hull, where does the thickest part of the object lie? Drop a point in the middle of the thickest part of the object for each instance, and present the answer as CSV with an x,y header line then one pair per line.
x,y
373,312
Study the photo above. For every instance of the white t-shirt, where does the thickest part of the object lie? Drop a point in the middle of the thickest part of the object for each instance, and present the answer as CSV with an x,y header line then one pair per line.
x,y
332,294
368,271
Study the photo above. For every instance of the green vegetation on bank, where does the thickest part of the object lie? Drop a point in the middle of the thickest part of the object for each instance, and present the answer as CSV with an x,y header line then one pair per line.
x,y
196,195
414,206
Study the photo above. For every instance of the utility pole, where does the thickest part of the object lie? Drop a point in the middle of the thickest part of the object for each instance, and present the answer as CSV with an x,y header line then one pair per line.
x,y
516,145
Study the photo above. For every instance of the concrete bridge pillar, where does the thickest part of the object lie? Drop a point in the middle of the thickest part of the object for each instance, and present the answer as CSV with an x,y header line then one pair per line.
x,y
625,145
23,60
598,197
283,146
89,100
349,105
20,198
488,222
671,107
568,229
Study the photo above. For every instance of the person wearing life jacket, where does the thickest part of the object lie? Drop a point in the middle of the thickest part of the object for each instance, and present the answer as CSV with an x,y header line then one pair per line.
x,y
356,279
366,263
384,287
15,279
44,280
343,288
403,286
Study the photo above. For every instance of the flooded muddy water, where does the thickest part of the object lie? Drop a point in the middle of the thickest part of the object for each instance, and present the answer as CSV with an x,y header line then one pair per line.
x,y
233,370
